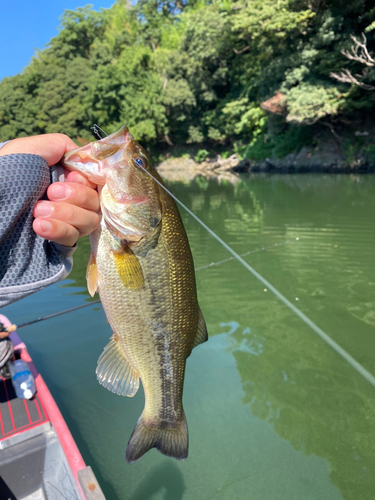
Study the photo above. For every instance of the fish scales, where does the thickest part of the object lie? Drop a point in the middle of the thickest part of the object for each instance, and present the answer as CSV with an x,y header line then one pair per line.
x,y
142,265
148,322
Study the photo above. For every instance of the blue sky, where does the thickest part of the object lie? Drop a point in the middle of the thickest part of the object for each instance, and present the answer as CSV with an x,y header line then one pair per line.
x,y
26,25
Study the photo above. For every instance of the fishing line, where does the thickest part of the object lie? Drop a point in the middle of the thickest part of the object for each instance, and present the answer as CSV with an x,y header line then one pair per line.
x,y
196,269
324,336
243,255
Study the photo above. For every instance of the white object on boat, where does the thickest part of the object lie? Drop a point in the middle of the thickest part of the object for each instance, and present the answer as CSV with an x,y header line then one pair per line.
x,y
22,379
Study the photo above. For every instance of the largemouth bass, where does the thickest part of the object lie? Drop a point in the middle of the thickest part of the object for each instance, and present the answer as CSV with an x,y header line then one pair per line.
x,y
142,266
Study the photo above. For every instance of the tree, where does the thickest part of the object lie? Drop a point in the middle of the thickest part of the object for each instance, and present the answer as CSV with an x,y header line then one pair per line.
x,y
196,72
359,53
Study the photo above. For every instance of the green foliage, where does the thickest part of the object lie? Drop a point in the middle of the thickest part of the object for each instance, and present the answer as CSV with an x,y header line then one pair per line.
x,y
195,135
269,21
355,147
291,140
193,73
201,155
243,118
370,150
307,103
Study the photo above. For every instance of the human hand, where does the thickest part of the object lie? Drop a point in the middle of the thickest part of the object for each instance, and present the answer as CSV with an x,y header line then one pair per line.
x,y
7,331
71,211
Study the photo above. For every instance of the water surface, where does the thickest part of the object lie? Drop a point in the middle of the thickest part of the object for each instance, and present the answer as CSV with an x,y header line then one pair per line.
x,y
273,412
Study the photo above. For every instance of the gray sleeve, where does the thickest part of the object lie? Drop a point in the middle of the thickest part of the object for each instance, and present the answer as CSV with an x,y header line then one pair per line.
x,y
28,263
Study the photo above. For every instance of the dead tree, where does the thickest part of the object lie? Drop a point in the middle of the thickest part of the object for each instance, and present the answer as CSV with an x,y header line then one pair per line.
x,y
358,52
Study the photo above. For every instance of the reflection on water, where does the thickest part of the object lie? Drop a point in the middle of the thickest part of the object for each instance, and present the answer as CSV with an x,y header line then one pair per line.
x,y
273,412
312,399
166,478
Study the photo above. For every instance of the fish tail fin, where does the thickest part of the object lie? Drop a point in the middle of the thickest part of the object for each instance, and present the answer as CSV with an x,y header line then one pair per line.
x,y
171,439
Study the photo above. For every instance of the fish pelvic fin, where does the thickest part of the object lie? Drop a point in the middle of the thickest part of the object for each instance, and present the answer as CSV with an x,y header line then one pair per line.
x,y
171,439
202,335
114,372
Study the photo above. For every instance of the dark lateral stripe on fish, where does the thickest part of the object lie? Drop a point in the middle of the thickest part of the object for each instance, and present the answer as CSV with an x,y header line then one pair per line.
x,y
168,404
171,390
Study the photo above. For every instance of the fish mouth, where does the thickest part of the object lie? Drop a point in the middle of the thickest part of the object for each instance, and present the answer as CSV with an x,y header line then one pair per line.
x,y
83,162
94,159
76,157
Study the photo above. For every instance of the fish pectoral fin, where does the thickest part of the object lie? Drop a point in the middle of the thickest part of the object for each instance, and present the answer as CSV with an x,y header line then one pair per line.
x,y
114,372
202,335
128,268
92,275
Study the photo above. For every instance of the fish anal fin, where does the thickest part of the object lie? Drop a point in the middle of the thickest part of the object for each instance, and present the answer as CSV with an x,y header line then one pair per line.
x,y
202,335
92,275
172,440
114,372
128,268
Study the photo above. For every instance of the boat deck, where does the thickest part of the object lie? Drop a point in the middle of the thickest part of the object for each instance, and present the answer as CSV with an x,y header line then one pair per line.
x,y
19,417
39,458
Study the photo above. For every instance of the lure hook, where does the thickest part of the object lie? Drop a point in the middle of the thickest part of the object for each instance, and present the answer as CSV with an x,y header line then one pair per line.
x,y
96,130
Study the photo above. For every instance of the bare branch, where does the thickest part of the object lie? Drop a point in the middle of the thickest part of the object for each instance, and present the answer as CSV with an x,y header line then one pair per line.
x,y
314,5
332,129
359,52
167,140
346,77
242,50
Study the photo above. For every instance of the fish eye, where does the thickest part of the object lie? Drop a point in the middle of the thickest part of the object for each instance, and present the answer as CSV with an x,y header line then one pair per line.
x,y
139,161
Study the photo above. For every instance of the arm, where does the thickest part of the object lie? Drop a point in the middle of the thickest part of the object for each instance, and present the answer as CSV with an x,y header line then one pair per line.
x,y
71,211
29,261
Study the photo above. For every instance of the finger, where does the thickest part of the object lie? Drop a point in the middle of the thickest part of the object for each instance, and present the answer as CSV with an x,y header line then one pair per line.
x,y
56,231
51,146
80,179
75,194
85,221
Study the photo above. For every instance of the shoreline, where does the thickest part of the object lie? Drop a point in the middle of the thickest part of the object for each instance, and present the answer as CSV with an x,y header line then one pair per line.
x,y
186,169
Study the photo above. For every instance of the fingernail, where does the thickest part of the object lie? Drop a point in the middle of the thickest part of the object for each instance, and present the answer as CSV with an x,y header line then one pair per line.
x,y
45,225
59,191
43,208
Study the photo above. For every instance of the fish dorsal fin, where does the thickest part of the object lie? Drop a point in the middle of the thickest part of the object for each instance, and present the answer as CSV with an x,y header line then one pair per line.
x,y
202,335
92,275
114,372
128,268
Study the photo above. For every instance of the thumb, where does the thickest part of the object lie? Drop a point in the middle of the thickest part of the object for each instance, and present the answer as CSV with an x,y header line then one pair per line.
x,y
51,146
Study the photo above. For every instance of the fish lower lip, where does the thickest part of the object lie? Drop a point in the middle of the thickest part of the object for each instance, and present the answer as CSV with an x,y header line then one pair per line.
x,y
90,166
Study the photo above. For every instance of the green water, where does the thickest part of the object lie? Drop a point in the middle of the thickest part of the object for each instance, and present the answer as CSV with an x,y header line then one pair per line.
x,y
273,412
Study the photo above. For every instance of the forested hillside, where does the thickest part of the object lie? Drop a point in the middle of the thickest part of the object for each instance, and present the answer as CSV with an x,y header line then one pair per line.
x,y
259,77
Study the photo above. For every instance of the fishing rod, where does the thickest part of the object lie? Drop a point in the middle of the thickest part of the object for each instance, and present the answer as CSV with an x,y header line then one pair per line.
x,y
58,313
